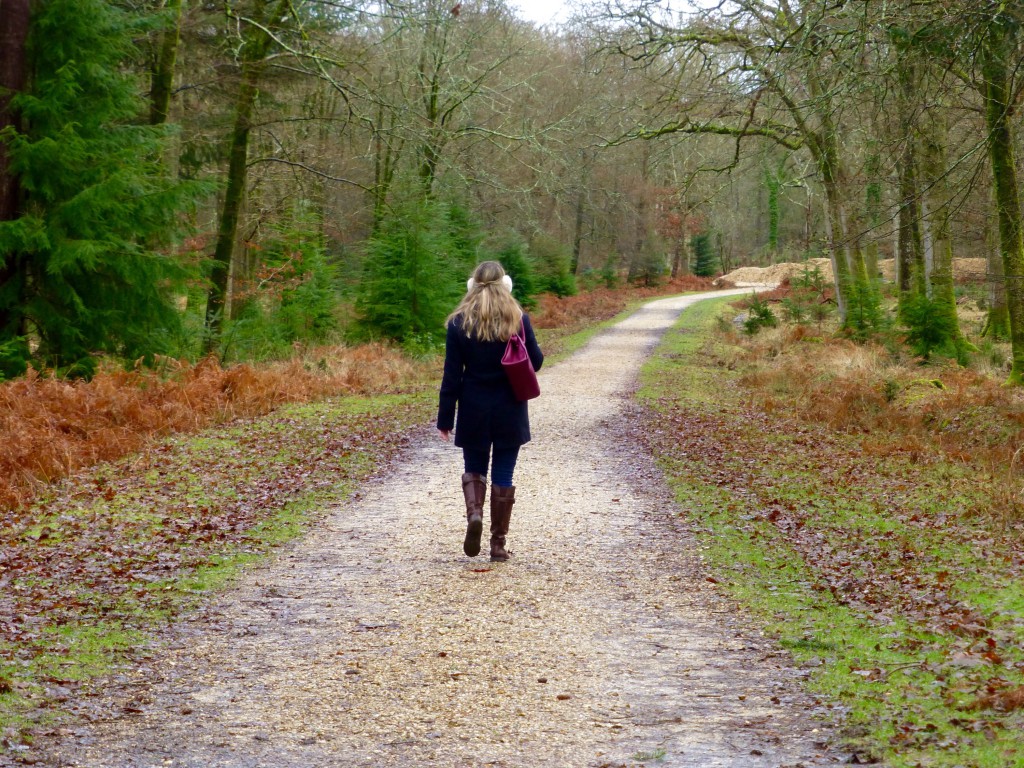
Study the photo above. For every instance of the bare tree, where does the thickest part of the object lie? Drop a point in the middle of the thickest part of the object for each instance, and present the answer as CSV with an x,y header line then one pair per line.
x,y
777,71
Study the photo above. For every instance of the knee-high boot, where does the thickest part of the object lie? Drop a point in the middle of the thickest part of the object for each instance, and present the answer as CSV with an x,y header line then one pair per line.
x,y
474,488
502,500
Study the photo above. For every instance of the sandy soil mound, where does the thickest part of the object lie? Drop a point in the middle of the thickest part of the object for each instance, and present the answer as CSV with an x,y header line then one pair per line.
x,y
963,269
775,274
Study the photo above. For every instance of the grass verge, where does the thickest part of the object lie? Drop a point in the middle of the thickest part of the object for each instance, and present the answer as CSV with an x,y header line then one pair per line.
x,y
91,573
873,568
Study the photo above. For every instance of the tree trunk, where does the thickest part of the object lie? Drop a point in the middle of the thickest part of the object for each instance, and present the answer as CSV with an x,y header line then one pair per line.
x,y
873,210
234,197
997,324
14,26
163,67
385,159
928,244
773,183
834,222
637,262
680,261
14,15
254,52
935,206
577,232
996,69
909,254
435,47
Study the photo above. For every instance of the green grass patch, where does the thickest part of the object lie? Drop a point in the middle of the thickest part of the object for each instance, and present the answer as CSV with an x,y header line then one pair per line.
x,y
905,609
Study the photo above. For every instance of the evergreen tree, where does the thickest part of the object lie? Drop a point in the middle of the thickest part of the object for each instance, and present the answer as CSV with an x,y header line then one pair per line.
x,y
510,251
464,236
649,267
411,280
553,262
704,260
88,252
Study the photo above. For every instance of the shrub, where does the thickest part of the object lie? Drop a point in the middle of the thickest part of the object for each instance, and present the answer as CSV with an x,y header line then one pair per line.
x,y
553,262
930,326
411,279
759,315
864,315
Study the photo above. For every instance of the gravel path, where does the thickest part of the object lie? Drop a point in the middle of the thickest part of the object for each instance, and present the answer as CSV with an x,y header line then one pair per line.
x,y
374,642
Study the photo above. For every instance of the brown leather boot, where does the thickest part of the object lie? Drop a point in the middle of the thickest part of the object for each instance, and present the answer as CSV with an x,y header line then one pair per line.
x,y
502,500
474,488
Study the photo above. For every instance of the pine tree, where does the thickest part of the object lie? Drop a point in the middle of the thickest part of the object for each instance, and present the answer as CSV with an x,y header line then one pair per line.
x,y
510,250
704,260
89,251
411,280
553,266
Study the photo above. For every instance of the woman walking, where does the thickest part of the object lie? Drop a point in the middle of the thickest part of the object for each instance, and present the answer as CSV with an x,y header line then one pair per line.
x,y
492,425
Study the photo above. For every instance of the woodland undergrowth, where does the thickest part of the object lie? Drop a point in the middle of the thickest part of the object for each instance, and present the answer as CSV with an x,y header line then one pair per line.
x,y
897,404
862,505
52,427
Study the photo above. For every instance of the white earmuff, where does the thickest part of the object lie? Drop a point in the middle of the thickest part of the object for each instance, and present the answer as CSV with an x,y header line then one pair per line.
x,y
505,281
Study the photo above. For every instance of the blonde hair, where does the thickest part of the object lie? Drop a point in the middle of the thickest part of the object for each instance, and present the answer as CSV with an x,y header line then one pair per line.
x,y
489,311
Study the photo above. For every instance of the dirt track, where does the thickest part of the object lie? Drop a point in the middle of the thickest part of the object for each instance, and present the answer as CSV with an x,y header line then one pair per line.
x,y
374,642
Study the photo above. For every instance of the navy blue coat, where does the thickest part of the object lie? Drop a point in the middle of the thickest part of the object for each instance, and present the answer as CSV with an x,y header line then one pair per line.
x,y
475,384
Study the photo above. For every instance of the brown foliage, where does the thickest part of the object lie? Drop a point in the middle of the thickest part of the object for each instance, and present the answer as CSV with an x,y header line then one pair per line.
x,y
898,406
860,388
51,427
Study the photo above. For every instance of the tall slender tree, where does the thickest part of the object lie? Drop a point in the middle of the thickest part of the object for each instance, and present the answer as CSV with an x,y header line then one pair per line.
x,y
257,41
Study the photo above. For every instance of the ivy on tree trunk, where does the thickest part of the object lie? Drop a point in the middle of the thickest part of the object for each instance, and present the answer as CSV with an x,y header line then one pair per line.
x,y
997,45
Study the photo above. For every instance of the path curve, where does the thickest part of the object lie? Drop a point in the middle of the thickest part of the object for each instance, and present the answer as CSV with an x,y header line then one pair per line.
x,y
374,642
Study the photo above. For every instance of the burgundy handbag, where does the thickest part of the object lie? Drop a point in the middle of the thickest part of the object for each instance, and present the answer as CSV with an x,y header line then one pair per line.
x,y
519,369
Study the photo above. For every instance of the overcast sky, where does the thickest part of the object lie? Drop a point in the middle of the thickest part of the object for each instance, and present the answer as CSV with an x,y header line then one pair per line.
x,y
542,11
548,11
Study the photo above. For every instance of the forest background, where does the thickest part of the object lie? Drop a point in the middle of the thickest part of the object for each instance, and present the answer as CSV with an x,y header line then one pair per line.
x,y
207,210
184,179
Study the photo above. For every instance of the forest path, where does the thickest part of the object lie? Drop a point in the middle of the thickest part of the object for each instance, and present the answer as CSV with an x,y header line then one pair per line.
x,y
373,641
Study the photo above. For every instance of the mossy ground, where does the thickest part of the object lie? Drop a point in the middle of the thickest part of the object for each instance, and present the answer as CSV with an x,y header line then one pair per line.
x,y
874,571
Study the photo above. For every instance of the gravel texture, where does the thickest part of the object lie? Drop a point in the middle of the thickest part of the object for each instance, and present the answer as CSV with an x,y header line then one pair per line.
x,y
374,641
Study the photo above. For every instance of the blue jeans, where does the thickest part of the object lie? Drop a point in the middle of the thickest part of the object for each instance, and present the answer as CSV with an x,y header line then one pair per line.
x,y
503,463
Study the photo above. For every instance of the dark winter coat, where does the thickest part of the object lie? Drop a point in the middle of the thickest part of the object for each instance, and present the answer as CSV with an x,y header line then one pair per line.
x,y
475,383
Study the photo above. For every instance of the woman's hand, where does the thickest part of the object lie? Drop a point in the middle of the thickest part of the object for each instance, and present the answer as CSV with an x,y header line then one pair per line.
x,y
445,434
